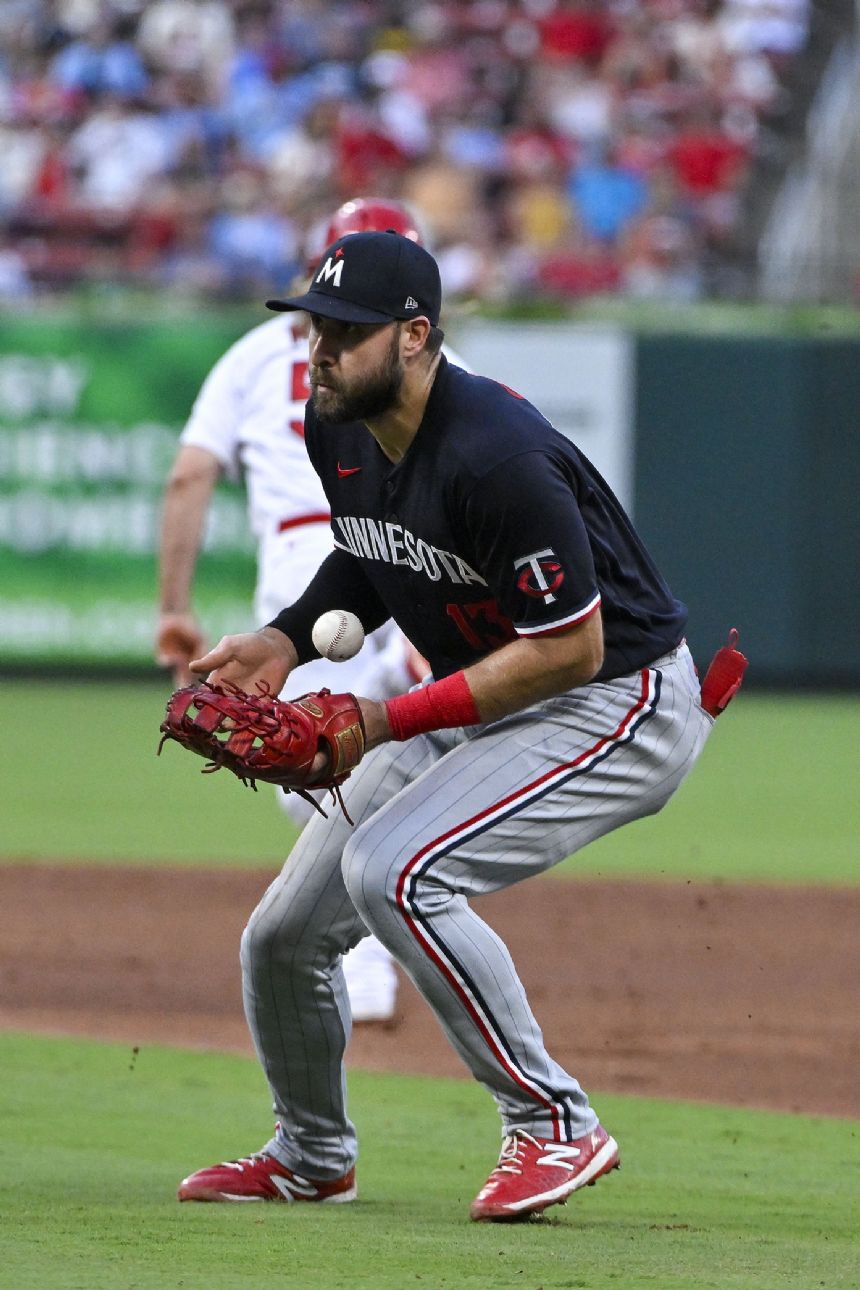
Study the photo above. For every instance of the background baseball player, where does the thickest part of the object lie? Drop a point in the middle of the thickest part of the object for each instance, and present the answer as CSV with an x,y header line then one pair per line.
x,y
248,422
564,703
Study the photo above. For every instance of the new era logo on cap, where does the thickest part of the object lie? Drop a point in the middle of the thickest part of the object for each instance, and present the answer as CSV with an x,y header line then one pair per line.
x,y
366,277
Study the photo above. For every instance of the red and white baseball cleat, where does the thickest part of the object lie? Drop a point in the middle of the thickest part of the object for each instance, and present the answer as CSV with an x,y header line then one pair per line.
x,y
534,1172
262,1177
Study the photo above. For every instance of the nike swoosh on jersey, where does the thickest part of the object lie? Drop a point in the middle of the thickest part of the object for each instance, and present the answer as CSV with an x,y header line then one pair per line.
x,y
343,471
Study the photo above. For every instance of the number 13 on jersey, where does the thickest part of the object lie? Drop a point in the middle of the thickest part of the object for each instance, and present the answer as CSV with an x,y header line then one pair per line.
x,y
482,623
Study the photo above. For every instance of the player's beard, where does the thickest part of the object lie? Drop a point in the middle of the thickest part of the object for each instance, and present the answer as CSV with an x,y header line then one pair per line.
x,y
369,396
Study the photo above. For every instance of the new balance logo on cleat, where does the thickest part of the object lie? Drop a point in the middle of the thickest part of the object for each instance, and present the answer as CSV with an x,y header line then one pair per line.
x,y
533,1173
294,1187
262,1177
562,1154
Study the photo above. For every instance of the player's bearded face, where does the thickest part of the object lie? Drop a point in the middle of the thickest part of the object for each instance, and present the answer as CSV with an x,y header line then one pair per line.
x,y
338,397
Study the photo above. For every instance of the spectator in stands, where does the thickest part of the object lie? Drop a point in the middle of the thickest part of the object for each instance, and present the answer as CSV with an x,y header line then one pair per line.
x,y
104,61
179,36
607,195
257,246
581,266
116,152
537,138
576,31
661,261
704,158
774,27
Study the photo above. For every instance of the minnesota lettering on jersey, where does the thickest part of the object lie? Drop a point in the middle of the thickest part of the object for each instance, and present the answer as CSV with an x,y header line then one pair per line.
x,y
384,540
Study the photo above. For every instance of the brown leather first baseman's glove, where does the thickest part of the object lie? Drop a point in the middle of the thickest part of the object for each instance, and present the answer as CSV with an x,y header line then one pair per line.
x,y
259,736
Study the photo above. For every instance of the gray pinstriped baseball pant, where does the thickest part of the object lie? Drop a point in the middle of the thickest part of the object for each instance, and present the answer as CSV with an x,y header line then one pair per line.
x,y
439,818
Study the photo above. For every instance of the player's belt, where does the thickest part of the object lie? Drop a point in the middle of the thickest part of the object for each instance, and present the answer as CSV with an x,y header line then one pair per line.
x,y
296,521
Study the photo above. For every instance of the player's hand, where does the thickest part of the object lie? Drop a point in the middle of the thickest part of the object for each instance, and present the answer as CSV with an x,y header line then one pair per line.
x,y
376,731
266,656
178,639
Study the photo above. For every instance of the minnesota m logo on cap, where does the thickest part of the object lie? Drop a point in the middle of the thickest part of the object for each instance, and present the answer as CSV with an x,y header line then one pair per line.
x,y
385,270
330,272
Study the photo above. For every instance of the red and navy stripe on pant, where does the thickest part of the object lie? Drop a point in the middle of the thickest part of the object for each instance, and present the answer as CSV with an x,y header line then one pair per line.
x,y
441,954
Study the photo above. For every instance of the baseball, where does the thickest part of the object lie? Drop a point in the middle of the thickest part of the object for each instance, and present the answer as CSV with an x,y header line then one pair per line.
x,y
338,635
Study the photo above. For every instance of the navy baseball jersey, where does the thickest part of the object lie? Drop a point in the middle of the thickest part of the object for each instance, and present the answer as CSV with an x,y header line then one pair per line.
x,y
492,526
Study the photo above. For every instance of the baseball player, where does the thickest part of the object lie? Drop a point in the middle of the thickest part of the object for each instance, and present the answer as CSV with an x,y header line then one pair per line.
x,y
248,421
563,703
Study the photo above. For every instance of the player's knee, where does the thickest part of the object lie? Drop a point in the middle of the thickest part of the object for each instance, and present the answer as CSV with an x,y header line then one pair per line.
x,y
366,870
270,936
256,942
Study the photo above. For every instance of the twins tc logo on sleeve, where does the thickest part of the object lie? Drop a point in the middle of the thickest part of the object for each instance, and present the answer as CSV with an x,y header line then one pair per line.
x,y
540,574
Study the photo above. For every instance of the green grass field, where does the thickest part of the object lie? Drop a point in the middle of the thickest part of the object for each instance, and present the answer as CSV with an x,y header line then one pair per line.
x,y
772,799
96,1139
95,1136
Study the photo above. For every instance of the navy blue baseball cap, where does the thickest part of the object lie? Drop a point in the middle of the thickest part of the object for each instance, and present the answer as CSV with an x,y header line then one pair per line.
x,y
371,278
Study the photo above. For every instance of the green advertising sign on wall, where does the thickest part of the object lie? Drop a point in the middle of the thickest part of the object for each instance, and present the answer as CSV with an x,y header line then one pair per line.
x,y
89,418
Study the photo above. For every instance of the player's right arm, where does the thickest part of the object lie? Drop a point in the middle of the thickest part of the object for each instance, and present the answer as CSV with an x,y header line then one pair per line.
x,y
187,496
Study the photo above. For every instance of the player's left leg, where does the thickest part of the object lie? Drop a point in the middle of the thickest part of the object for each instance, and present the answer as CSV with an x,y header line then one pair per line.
x,y
368,968
297,1007
511,801
293,983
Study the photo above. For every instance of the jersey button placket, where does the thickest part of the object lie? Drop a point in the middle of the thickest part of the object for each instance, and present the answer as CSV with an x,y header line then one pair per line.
x,y
388,489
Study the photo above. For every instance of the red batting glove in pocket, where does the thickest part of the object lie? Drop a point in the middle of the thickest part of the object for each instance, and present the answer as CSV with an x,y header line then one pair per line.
x,y
723,677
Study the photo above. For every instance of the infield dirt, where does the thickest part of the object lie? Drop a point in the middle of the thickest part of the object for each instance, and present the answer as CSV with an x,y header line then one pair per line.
x,y
737,994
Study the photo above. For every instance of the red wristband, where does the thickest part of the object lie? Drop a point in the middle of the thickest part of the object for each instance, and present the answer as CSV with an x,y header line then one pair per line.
x,y
440,705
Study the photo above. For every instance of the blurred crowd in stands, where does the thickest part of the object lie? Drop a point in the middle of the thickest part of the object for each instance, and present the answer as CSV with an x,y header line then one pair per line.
x,y
552,148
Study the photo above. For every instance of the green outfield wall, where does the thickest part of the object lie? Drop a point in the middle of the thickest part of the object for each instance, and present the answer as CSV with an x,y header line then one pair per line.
x,y
89,417
747,476
739,457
